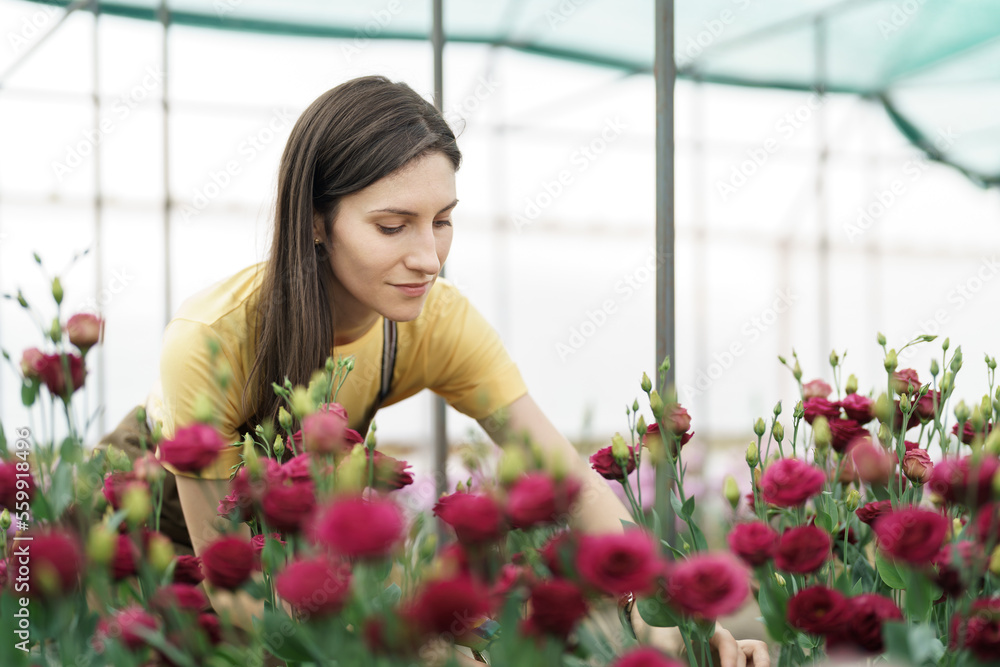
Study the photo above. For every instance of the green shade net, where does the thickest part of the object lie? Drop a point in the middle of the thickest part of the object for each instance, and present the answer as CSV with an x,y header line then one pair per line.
x,y
933,64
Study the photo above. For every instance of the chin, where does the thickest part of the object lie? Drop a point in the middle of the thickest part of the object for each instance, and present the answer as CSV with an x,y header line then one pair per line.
x,y
406,314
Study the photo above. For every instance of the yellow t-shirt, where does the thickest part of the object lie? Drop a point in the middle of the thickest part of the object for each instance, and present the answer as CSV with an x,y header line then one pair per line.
x,y
449,348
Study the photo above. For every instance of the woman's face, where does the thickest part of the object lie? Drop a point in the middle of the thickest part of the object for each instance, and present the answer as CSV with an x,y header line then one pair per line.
x,y
397,231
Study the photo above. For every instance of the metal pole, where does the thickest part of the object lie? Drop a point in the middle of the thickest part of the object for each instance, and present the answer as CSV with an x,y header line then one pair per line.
x,y
440,408
665,74
823,153
164,16
98,224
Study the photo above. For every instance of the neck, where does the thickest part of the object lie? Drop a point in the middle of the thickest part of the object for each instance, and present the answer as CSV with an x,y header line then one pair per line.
x,y
352,320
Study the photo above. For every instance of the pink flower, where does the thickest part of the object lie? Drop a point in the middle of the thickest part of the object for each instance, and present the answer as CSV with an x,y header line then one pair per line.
x,y
911,534
476,518
814,407
917,466
326,432
32,361
905,380
645,656
85,330
816,389
617,564
355,527
53,373
858,407
538,499
791,482
754,542
964,481
708,585
314,586
873,463
802,550
192,448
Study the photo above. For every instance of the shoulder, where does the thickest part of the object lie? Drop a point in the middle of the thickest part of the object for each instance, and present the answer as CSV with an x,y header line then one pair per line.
x,y
222,298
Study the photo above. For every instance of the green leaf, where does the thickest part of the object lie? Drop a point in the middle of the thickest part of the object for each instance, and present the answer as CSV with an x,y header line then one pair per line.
x,y
916,645
773,601
29,392
688,507
391,596
285,638
61,491
920,594
658,614
675,502
888,572
700,543
71,451
3,441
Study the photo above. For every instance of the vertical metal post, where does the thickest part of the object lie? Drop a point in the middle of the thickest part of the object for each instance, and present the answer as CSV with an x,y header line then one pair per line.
x,y
440,409
164,16
98,219
665,74
823,155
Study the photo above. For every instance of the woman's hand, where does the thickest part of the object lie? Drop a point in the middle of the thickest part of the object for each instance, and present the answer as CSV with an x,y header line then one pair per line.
x,y
741,653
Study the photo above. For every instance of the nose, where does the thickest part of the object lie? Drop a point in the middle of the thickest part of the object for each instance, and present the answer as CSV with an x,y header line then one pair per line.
x,y
423,254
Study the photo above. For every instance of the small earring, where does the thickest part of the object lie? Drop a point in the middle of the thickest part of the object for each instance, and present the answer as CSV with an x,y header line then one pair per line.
x,y
317,242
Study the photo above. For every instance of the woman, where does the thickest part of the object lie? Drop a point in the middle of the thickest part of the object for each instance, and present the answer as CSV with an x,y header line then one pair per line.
x,y
362,228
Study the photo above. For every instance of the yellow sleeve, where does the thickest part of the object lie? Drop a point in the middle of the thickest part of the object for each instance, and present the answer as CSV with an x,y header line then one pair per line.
x,y
187,371
468,364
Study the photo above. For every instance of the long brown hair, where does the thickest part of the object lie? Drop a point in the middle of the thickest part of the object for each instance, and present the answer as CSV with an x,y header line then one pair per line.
x,y
348,138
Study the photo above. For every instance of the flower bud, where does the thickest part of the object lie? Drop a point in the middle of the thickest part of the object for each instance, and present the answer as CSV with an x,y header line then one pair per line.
x,y
798,411
351,471
428,547
992,444
935,368
834,359
995,561
904,403
5,519
157,435
962,412
797,371
349,364
852,384
883,409
331,365
619,449
956,361
656,404
137,504
512,465
947,382
460,487
890,361
996,484
101,544
284,419
778,431
780,580
822,434
55,331
852,500
57,290
731,490
752,456
646,384
880,338
160,552
945,344
991,362
640,426
21,300
884,435
279,446
117,459
301,403
148,469
250,458
759,427
203,410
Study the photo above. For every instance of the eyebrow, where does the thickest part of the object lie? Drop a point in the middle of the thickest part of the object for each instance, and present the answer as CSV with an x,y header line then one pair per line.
x,y
399,211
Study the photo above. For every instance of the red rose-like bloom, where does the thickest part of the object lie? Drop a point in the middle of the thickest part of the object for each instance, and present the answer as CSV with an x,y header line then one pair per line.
x,y
448,606
754,542
873,463
188,570
988,524
192,448
905,380
353,526
32,361
56,564
325,432
858,408
537,499
116,484
868,512
475,517
917,466
557,605
803,549
817,610
912,534
925,405
126,556
844,432
559,553
181,596
228,562
54,375
124,626
287,506
791,482
314,586
607,467
617,564
866,613
964,481
969,433
644,656
708,585
980,631
8,485
816,389
814,407
954,567
85,330
390,474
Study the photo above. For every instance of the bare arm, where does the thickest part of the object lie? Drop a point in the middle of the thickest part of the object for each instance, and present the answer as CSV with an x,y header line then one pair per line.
x,y
199,500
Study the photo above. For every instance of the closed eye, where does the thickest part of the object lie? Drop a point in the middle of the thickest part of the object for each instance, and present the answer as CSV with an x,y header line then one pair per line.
x,y
389,231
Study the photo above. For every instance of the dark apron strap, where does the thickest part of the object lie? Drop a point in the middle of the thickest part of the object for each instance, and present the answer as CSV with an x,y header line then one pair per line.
x,y
389,344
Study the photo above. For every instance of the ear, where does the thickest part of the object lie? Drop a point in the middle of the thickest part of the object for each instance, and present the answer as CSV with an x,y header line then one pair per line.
x,y
318,226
